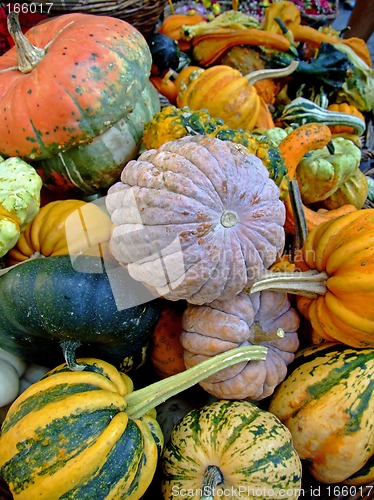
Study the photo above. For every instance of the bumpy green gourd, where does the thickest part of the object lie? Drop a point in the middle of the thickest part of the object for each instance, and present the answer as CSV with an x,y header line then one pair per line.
x,y
173,123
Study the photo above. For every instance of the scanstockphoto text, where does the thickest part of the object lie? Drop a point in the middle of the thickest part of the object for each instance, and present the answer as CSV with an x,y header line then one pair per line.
x,y
322,491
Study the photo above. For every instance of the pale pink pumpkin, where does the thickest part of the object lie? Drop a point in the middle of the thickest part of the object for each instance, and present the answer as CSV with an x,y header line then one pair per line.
x,y
198,219
257,319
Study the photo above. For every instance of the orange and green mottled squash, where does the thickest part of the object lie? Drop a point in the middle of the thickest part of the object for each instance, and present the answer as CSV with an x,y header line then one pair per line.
x,y
75,96
327,403
230,448
198,219
265,318
335,291
82,433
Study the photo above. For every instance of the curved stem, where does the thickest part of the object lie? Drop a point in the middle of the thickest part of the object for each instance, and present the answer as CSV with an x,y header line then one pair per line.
x,y
307,283
301,229
212,478
69,347
143,400
262,74
28,55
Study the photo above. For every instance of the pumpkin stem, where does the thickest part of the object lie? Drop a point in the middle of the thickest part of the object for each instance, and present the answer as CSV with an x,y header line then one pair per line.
x,y
258,334
262,74
147,398
211,479
69,347
307,283
28,56
301,228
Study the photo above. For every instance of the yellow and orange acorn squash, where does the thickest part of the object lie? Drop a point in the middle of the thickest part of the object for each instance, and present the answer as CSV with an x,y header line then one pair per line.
x,y
81,431
197,219
327,403
230,449
64,227
266,318
75,96
336,288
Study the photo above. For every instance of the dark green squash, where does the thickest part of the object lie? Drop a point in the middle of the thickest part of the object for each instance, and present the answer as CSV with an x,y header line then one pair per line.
x,y
48,301
165,52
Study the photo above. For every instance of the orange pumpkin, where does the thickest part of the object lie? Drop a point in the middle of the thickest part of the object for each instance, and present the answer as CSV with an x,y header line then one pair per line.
x,y
166,351
335,291
227,94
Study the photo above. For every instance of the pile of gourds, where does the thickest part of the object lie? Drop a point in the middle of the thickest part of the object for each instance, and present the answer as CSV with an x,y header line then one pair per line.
x,y
219,246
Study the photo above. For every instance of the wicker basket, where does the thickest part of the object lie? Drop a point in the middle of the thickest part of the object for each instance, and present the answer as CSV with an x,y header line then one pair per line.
x,y
142,15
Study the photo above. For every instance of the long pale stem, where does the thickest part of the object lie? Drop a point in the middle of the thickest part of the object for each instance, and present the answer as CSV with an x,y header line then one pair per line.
x,y
143,400
307,283
262,74
28,55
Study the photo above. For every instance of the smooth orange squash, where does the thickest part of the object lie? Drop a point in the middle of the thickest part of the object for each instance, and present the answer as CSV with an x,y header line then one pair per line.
x,y
166,352
292,148
312,36
172,27
208,48
349,109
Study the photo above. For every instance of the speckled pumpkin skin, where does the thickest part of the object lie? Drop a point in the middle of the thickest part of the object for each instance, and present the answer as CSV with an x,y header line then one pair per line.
x,y
223,325
92,74
196,219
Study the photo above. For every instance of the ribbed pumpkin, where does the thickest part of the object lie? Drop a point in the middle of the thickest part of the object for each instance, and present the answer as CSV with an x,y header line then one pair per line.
x,y
327,403
230,449
84,434
196,219
336,290
75,95
265,318
227,94
64,227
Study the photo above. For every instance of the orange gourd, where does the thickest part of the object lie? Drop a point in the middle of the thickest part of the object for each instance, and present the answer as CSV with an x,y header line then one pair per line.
x,y
292,148
227,94
349,109
165,86
166,352
172,27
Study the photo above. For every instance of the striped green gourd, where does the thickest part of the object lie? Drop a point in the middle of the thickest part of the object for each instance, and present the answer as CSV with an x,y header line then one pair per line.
x,y
301,111
229,449
327,403
81,433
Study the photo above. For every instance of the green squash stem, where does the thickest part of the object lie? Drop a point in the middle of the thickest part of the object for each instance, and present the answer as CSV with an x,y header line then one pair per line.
x,y
28,56
212,478
143,400
301,229
262,74
68,348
